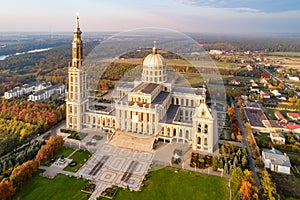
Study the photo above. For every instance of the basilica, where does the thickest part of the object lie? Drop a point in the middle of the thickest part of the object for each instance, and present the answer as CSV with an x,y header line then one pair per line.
x,y
149,106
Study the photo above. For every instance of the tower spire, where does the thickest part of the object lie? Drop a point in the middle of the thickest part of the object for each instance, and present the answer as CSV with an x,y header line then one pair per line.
x,y
77,45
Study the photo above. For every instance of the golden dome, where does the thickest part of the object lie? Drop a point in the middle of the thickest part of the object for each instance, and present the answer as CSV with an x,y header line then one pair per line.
x,y
154,60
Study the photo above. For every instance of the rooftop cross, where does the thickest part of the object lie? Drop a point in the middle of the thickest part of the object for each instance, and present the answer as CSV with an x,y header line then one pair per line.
x,y
154,50
77,20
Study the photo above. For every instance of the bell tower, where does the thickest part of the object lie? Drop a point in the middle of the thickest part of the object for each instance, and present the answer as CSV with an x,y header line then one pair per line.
x,y
77,101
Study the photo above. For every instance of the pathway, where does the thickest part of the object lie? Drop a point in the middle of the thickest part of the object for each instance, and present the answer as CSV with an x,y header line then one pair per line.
x,y
245,142
112,165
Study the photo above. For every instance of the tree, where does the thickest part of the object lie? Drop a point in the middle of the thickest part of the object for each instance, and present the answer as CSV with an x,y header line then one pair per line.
x,y
237,175
215,163
256,152
244,162
226,170
230,111
248,187
268,187
246,190
7,190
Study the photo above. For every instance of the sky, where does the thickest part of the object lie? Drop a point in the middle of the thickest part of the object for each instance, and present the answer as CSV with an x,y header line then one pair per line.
x,y
210,16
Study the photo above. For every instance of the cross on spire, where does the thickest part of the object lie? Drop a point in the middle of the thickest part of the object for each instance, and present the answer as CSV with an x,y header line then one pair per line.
x,y
154,50
77,20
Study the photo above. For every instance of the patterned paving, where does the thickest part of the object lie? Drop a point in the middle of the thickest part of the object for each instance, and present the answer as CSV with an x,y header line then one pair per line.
x,y
112,165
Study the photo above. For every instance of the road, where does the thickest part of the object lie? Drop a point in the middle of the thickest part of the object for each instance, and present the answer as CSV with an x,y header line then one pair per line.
x,y
245,142
276,78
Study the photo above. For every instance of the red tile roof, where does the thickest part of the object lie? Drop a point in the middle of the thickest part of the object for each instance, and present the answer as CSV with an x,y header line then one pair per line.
x,y
279,116
293,126
293,115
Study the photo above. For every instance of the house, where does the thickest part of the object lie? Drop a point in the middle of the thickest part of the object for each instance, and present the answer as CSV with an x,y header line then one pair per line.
x,y
47,92
277,138
280,70
276,93
216,52
293,116
26,89
274,125
293,78
253,84
264,95
276,161
280,117
295,128
235,82
249,68
282,98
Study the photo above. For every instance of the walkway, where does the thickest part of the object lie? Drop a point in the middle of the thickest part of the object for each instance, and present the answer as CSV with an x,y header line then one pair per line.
x,y
245,142
112,165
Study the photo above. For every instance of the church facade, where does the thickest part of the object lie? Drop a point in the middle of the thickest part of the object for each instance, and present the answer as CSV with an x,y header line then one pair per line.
x,y
149,106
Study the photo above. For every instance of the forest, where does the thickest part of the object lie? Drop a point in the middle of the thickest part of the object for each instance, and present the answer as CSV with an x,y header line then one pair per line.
x,y
21,120
271,43
49,65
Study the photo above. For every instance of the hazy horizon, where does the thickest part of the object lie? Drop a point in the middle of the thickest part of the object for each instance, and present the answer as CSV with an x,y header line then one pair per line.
x,y
213,16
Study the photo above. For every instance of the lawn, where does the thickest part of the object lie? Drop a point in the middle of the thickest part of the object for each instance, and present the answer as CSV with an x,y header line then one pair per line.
x,y
66,151
166,184
80,157
61,187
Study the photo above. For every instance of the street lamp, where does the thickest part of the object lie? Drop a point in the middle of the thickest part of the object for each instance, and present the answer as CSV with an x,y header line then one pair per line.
x,y
229,188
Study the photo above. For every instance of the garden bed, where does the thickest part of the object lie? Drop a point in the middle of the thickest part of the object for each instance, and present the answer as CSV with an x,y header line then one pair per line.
x,y
109,192
200,162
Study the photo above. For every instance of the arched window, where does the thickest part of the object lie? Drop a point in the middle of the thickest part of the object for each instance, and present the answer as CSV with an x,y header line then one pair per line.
x,y
205,128
199,128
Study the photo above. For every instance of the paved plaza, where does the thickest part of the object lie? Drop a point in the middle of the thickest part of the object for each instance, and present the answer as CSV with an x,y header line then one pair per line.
x,y
112,165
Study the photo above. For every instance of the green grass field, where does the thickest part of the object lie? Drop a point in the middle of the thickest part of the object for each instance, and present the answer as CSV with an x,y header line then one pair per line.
x,y
80,157
166,184
162,184
60,188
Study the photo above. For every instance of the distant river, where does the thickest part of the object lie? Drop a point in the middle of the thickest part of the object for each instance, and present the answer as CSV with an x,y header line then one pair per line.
x,y
2,57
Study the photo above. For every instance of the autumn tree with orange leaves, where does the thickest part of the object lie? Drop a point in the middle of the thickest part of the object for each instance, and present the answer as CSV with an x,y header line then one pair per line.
x,y
248,189
47,150
7,190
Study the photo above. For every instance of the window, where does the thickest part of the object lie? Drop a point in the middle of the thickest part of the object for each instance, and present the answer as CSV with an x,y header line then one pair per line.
x,y
187,134
199,140
206,129
205,141
199,128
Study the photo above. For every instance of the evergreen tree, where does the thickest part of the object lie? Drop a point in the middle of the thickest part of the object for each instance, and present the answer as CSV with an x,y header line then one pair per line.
x,y
268,187
226,170
244,162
